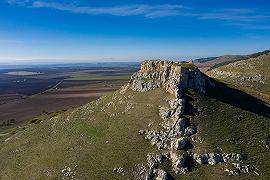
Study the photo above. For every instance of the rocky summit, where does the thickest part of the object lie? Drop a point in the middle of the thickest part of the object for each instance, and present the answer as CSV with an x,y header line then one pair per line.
x,y
172,76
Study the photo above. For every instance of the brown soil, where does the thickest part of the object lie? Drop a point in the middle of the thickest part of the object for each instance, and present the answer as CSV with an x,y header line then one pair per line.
x,y
66,95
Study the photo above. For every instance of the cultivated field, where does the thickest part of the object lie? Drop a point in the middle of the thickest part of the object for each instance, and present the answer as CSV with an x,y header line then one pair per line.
x,y
54,89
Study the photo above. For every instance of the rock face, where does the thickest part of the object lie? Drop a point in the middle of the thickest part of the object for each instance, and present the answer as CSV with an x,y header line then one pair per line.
x,y
172,76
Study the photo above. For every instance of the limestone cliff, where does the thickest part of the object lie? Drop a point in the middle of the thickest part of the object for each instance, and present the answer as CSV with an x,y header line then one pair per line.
x,y
172,76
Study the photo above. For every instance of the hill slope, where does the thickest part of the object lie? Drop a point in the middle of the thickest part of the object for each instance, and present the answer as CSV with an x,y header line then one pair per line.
x,y
107,138
206,63
209,63
252,74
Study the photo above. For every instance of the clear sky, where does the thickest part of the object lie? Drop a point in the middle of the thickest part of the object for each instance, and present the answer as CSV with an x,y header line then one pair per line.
x,y
125,30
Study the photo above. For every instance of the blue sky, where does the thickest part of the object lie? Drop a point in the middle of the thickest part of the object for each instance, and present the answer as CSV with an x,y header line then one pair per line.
x,y
124,30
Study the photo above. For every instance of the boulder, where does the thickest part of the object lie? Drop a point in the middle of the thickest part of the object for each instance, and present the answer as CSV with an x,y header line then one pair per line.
x,y
215,158
179,143
179,163
181,124
201,158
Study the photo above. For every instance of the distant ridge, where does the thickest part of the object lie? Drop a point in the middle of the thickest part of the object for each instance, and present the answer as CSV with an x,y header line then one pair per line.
x,y
210,63
202,60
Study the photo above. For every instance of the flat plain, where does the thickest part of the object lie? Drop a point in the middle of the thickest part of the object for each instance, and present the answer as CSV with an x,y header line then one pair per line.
x,y
26,95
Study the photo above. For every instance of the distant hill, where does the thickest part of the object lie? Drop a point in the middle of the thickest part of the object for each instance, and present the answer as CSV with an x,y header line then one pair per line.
x,y
209,63
206,63
169,122
202,60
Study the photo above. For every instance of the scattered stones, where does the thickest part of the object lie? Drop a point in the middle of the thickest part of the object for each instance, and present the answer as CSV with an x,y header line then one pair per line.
x,y
197,139
164,112
68,173
242,168
119,170
141,132
240,77
238,169
153,161
161,175
232,172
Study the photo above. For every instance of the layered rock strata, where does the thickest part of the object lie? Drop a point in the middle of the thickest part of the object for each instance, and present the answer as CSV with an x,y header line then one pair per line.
x,y
172,76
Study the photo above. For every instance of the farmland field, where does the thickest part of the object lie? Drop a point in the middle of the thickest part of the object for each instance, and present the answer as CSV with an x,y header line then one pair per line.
x,y
26,95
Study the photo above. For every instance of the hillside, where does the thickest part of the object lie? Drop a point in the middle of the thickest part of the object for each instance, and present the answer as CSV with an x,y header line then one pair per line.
x,y
252,74
169,122
206,63
209,63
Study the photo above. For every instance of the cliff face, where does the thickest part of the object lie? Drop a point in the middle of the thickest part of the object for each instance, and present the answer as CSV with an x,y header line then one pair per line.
x,y
172,76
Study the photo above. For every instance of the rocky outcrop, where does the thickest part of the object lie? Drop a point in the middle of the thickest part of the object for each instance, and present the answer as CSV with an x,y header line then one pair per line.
x,y
172,76
215,158
176,133
177,129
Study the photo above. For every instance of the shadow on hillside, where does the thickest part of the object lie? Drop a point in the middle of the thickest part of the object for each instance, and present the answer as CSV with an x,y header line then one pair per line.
x,y
237,98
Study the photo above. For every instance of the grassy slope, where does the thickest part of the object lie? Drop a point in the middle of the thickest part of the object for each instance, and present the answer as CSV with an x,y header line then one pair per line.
x,y
251,67
221,122
206,64
77,138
